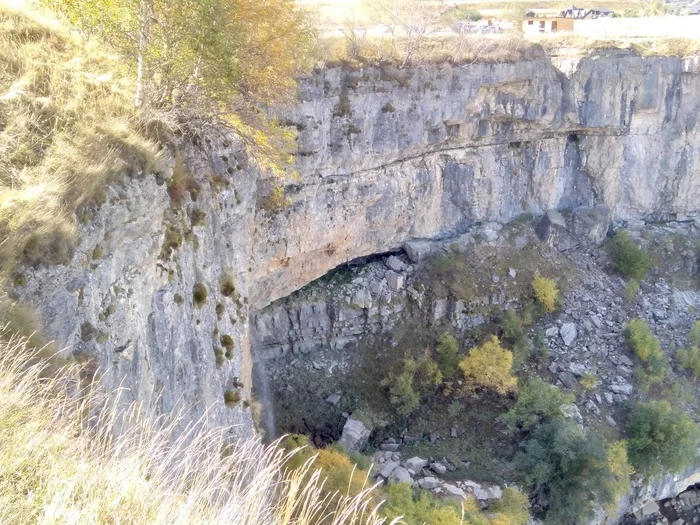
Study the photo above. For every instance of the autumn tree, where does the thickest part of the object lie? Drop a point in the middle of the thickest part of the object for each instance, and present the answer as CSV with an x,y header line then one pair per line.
x,y
489,366
222,60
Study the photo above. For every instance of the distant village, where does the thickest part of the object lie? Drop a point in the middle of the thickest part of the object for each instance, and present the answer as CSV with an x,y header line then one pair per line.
x,y
564,21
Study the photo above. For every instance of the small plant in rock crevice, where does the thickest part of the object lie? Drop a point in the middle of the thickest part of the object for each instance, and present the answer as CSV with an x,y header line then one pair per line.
x,y
199,294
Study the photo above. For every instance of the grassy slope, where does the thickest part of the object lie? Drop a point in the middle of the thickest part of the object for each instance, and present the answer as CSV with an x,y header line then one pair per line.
x,y
67,127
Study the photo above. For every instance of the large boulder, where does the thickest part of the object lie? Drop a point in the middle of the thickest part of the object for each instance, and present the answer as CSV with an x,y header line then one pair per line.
x,y
355,435
418,250
400,475
586,226
590,225
552,230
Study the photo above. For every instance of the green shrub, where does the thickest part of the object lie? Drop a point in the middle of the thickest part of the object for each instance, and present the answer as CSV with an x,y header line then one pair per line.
x,y
570,467
538,402
546,293
227,286
620,468
415,378
689,359
219,354
512,332
647,348
627,258
226,341
514,505
448,355
660,438
418,507
694,335
199,294
631,289
540,350
588,382
198,217
232,397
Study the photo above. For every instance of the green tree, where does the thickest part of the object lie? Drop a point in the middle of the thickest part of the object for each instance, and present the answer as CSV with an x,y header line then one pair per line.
x,y
220,59
647,347
448,356
568,470
660,438
538,402
627,258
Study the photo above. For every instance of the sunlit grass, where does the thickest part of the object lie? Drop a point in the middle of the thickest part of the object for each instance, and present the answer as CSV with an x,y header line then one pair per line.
x,y
69,454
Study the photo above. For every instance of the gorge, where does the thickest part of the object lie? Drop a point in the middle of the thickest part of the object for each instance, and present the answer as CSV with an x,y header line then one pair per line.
x,y
173,300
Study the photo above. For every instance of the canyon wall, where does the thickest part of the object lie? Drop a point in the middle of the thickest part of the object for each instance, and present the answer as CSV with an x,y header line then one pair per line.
x,y
384,156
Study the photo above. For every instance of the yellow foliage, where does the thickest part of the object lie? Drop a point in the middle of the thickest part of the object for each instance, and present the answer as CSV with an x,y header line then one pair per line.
x,y
489,366
546,292
588,382
620,469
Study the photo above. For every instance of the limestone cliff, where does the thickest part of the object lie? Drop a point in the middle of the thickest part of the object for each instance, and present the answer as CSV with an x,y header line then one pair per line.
x,y
384,155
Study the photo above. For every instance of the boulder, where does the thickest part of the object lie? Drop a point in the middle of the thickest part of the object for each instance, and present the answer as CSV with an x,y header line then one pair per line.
x,y
428,483
552,230
400,475
622,388
333,399
388,468
394,280
568,379
415,463
483,492
438,468
578,369
389,447
568,333
418,250
354,435
394,263
453,490
590,225
571,411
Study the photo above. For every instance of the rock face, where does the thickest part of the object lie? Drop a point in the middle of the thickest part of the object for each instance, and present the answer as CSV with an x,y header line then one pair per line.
x,y
386,157
391,155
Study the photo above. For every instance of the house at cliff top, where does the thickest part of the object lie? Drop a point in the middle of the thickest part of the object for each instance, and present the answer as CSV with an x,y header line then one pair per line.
x,y
542,24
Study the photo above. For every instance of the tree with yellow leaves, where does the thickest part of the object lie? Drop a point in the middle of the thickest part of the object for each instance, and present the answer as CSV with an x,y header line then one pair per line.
x,y
220,60
489,366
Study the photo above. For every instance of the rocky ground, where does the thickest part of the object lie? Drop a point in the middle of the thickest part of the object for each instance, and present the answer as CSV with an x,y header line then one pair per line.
x,y
324,345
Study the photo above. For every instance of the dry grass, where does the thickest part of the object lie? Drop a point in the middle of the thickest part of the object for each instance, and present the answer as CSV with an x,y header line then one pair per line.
x,y
67,128
61,461
457,49
468,49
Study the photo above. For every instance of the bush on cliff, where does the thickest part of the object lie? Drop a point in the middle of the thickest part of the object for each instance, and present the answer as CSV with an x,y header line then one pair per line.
x,y
488,366
661,438
538,403
647,348
568,471
546,293
627,258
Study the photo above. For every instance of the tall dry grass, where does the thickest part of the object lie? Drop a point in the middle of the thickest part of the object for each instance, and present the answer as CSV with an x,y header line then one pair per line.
x,y
67,128
62,461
